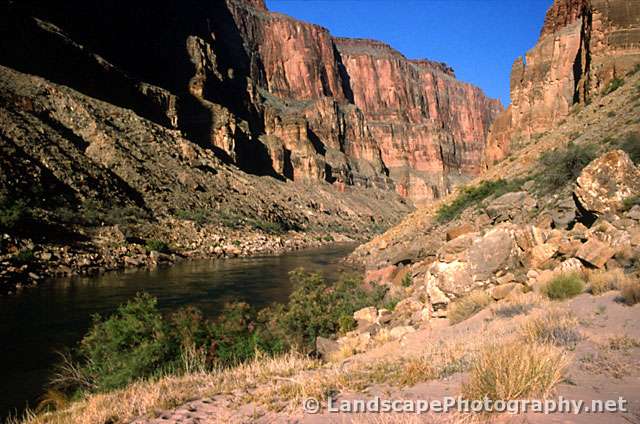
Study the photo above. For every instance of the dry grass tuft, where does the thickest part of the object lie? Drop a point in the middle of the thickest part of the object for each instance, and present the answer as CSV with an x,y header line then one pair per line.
x,y
602,281
468,306
517,305
630,292
556,327
142,397
515,370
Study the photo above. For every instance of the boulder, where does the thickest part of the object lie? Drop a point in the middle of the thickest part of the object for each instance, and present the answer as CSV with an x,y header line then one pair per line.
x,y
326,347
540,254
511,207
381,276
398,332
366,315
564,213
384,316
455,249
407,307
502,291
497,250
459,230
604,184
595,252
437,298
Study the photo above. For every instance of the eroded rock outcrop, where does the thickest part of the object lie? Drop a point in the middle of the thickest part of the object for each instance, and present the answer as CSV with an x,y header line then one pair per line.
x,y
584,45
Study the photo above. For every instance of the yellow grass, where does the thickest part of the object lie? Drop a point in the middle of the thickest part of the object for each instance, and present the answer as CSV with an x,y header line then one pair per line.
x,y
553,326
468,306
515,370
602,281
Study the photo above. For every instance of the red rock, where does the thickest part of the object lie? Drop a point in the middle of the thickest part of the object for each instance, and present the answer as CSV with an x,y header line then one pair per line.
x,y
595,252
381,276
583,46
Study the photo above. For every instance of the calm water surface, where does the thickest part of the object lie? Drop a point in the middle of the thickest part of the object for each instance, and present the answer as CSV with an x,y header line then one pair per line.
x,y
38,322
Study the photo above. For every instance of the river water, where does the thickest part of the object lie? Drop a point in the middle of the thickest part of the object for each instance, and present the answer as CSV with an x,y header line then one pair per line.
x,y
38,322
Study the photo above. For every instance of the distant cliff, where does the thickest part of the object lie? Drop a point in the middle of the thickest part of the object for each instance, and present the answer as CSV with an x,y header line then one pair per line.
x,y
584,45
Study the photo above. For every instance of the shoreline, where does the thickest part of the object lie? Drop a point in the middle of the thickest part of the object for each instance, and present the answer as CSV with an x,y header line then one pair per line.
x,y
27,264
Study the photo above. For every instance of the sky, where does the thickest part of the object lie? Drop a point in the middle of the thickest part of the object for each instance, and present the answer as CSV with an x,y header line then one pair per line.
x,y
480,39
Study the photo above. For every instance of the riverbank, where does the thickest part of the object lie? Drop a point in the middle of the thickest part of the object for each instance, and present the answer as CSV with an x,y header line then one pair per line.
x,y
25,262
55,315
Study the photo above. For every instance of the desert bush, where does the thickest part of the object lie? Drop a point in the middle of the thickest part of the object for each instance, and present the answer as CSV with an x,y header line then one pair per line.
x,y
516,306
515,370
554,327
564,286
24,257
631,144
267,226
316,308
467,306
407,280
563,165
602,281
13,213
613,85
199,216
630,202
157,246
630,292
131,344
470,196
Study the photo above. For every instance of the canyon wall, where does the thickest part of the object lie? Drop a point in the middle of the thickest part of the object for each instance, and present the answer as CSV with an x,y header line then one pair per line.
x,y
584,45
431,128
268,93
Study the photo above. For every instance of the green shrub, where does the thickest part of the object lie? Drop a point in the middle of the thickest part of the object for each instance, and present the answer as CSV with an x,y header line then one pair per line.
x,y
562,166
131,344
613,85
630,202
565,286
198,216
24,257
316,308
631,145
157,246
267,227
13,213
407,280
470,196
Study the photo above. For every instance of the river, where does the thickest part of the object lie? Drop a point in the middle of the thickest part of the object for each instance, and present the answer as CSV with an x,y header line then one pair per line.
x,y
38,322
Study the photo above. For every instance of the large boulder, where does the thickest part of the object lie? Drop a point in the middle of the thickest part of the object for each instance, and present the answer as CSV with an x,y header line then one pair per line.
x,y
512,207
604,184
495,251
595,252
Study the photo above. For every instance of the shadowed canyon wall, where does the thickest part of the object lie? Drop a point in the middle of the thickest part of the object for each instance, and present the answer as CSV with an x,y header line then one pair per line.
x,y
584,45
266,92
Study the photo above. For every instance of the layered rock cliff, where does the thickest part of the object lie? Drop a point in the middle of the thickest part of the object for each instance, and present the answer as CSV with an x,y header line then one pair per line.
x,y
584,46
431,128
269,93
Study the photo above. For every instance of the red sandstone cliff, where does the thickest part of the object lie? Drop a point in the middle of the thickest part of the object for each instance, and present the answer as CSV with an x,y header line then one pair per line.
x,y
431,128
583,46
266,92
363,107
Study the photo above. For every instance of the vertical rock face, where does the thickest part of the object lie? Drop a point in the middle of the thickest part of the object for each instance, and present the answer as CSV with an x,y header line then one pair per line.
x,y
267,92
431,128
583,46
